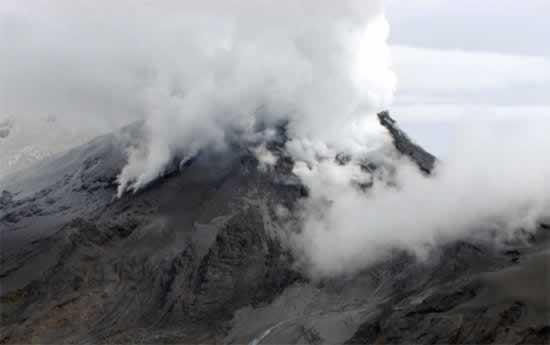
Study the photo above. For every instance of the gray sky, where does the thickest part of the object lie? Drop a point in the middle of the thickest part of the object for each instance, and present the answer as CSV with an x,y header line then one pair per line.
x,y
505,26
457,61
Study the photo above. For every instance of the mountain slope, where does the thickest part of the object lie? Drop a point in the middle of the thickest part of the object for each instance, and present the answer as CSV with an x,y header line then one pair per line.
x,y
198,257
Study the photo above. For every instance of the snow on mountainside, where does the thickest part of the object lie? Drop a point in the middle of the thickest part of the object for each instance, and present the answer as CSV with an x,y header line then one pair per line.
x,y
25,141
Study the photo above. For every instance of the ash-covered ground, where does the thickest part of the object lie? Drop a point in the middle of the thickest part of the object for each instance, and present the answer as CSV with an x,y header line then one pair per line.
x,y
200,256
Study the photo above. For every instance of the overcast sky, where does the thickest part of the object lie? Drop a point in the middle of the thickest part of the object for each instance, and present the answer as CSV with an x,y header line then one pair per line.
x,y
459,61
504,26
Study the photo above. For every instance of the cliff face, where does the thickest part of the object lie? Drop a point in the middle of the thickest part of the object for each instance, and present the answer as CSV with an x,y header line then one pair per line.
x,y
197,258
422,158
80,266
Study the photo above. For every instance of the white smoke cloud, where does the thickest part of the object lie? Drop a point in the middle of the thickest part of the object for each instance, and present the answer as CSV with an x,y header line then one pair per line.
x,y
195,70
198,72
490,187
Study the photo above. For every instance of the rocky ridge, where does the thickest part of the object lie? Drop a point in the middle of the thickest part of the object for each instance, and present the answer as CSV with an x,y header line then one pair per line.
x,y
197,258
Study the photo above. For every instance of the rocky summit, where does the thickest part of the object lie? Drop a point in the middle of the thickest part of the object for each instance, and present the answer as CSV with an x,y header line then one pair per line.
x,y
197,257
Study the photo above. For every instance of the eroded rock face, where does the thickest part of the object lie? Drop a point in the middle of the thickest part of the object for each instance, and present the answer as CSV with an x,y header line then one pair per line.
x,y
423,159
197,257
467,308
188,250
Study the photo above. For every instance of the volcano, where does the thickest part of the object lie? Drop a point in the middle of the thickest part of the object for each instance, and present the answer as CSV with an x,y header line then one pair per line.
x,y
198,256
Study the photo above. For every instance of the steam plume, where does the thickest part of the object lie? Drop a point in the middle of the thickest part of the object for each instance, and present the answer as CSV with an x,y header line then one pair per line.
x,y
196,70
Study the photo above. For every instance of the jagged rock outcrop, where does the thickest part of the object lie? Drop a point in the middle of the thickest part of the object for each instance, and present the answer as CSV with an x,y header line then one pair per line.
x,y
422,158
198,257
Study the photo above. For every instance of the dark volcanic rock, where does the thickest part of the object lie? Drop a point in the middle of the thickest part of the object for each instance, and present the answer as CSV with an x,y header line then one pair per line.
x,y
198,257
244,266
186,252
406,146
6,198
483,302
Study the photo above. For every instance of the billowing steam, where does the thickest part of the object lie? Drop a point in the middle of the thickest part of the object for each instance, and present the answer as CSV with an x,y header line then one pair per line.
x,y
257,64
197,71
200,72
491,188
